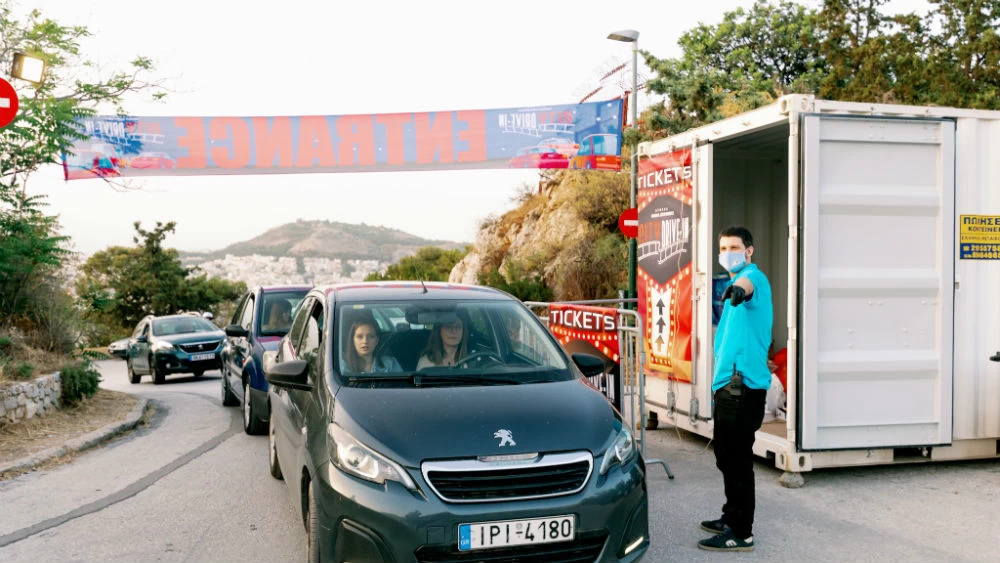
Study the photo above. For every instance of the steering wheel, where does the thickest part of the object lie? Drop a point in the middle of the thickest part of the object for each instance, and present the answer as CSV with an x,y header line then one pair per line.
x,y
479,356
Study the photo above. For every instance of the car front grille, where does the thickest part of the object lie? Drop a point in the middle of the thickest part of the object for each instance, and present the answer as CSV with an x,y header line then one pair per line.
x,y
199,346
585,549
485,480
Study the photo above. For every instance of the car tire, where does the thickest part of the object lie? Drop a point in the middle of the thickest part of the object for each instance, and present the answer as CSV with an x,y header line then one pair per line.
x,y
312,528
133,377
252,424
228,399
158,376
272,452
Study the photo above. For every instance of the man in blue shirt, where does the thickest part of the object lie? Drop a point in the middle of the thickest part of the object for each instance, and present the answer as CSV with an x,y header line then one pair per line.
x,y
739,386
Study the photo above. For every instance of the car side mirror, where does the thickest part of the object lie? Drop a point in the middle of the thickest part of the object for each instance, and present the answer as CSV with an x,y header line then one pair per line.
x,y
236,331
291,374
589,365
141,338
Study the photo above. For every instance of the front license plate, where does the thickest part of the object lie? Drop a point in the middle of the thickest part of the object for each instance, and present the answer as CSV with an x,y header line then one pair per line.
x,y
199,357
506,533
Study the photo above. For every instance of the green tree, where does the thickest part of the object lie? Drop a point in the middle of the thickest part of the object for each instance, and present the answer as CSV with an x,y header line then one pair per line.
x,y
965,54
31,248
430,263
746,61
121,285
46,124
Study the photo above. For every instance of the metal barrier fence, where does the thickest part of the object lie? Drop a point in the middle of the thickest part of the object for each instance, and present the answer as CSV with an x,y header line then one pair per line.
x,y
632,362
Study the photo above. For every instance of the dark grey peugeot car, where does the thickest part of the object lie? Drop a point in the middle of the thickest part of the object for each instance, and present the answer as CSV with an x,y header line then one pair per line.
x,y
440,423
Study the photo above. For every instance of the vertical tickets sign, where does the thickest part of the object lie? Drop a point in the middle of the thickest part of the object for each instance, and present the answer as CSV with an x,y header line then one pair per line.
x,y
664,262
560,136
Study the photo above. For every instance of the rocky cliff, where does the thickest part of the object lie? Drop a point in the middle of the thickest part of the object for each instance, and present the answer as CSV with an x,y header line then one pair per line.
x,y
565,232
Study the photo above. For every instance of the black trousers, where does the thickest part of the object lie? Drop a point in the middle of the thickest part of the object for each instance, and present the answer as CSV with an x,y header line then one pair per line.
x,y
736,421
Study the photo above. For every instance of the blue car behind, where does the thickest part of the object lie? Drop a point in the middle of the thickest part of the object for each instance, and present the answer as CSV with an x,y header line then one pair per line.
x,y
262,318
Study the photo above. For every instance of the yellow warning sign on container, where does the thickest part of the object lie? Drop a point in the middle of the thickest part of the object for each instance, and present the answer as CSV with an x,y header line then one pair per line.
x,y
979,237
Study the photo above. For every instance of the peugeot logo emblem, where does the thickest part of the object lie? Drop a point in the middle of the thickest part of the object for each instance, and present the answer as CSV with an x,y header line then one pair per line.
x,y
506,438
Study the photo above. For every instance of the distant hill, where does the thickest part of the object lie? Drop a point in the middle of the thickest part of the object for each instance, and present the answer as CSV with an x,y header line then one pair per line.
x,y
327,239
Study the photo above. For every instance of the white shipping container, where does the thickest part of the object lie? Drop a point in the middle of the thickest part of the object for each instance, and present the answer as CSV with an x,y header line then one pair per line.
x,y
855,211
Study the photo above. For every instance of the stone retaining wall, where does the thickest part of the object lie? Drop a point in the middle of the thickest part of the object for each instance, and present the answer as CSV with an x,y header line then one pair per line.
x,y
23,400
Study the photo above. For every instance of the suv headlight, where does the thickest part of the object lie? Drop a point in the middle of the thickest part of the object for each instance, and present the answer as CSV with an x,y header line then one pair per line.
x,y
621,451
161,346
359,460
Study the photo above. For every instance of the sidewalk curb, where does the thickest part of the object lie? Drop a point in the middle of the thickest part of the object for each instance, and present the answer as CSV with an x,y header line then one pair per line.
x,y
81,443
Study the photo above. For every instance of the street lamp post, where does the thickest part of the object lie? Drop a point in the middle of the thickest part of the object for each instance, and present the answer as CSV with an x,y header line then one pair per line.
x,y
632,36
27,67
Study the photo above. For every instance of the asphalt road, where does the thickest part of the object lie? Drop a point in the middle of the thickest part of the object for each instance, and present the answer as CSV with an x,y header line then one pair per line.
x,y
194,487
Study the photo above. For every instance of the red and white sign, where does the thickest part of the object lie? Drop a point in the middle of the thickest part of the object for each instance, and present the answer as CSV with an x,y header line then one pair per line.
x,y
8,103
628,222
596,325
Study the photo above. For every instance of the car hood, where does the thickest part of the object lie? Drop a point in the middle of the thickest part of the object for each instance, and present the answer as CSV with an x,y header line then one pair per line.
x,y
412,425
269,343
192,337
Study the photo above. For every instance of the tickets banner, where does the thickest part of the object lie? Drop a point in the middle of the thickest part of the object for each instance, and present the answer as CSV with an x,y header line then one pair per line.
x,y
579,136
591,330
664,262
598,326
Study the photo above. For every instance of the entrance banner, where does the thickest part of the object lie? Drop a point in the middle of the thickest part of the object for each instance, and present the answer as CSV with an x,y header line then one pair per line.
x,y
582,136
665,261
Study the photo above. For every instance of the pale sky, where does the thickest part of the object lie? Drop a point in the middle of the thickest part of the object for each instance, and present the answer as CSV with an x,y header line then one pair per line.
x,y
299,57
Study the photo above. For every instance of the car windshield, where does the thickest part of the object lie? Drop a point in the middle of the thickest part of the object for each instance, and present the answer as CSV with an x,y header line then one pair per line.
x,y
277,310
457,342
181,325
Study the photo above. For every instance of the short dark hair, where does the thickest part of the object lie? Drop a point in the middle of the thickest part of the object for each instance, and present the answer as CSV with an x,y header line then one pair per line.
x,y
737,231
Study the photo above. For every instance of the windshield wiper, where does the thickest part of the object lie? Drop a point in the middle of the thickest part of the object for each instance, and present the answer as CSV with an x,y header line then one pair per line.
x,y
465,378
421,379
382,377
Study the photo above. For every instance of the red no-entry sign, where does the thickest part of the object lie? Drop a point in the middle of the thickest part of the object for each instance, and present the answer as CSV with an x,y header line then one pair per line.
x,y
628,223
8,103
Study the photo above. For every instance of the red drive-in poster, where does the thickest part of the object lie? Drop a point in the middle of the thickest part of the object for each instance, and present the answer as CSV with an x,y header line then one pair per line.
x,y
664,262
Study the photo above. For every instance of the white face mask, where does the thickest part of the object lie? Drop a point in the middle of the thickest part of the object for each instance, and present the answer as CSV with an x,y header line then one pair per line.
x,y
732,261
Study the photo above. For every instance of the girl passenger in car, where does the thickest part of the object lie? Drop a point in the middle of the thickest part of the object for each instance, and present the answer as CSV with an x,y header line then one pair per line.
x,y
360,356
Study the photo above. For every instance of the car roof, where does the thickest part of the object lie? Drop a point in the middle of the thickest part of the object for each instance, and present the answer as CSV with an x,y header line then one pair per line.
x,y
179,316
275,288
410,291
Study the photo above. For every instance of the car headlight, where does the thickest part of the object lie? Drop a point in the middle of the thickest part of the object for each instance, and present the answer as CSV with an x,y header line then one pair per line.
x,y
359,460
621,451
163,347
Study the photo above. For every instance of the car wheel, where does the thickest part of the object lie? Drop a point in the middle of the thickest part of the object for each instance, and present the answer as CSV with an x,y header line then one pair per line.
x,y
158,376
251,423
132,376
312,528
228,399
199,372
272,452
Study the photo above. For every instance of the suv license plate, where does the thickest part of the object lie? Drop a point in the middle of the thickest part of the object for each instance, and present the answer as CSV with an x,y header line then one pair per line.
x,y
199,357
484,535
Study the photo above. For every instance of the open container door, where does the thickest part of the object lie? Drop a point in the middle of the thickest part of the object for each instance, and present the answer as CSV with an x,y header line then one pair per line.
x,y
877,272
705,251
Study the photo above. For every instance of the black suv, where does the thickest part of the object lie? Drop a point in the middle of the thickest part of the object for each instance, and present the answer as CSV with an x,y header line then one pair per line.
x,y
433,422
173,344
